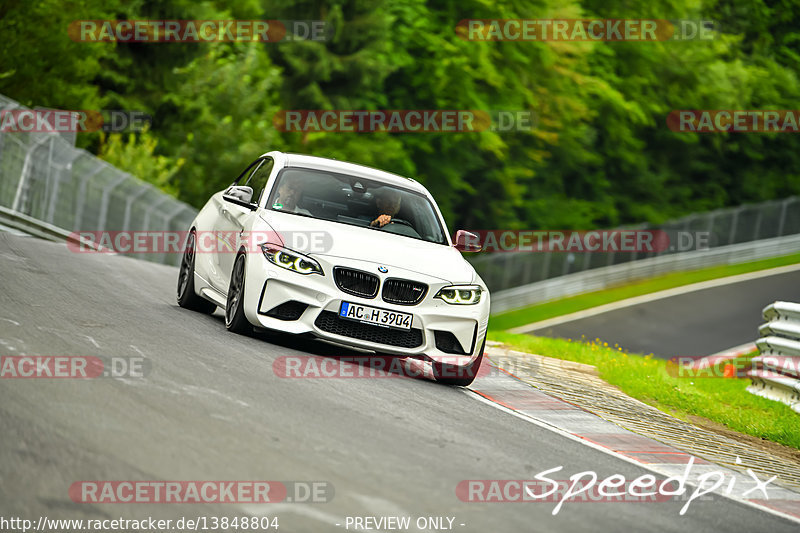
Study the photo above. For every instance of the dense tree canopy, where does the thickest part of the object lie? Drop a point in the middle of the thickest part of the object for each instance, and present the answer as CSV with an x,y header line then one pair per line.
x,y
600,153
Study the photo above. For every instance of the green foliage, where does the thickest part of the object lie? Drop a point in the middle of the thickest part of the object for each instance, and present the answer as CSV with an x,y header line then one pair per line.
x,y
601,153
218,116
136,154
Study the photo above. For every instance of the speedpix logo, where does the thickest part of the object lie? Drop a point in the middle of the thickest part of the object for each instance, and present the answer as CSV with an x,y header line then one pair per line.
x,y
588,487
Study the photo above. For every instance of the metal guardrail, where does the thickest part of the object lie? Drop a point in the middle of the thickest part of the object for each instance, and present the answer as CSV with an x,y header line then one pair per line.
x,y
601,278
724,227
43,177
775,372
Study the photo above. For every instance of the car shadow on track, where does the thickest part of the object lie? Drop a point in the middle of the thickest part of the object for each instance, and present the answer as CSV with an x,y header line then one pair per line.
x,y
343,361
327,359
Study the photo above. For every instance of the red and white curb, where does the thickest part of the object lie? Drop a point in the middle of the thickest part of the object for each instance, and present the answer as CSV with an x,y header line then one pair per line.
x,y
506,392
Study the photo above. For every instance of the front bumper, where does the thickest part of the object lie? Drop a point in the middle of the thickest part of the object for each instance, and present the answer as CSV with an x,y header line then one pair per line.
x,y
439,331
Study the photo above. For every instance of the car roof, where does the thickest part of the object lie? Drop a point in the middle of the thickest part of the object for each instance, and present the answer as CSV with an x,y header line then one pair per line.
x,y
353,169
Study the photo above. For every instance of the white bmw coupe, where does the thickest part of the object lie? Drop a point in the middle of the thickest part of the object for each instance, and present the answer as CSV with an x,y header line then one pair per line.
x,y
347,253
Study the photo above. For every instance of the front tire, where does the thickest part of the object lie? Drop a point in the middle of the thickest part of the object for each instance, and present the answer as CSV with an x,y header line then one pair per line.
x,y
187,297
235,320
458,376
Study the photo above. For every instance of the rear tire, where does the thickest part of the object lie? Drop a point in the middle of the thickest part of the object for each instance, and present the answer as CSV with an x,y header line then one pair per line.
x,y
235,320
187,297
458,376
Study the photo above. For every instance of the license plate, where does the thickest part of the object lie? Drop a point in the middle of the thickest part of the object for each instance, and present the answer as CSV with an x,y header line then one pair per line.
x,y
373,315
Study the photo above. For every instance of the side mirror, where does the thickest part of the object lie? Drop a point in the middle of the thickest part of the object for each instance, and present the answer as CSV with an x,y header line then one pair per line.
x,y
467,242
240,195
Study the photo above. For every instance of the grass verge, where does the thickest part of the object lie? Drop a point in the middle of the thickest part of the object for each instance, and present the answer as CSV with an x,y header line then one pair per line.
x,y
721,400
535,313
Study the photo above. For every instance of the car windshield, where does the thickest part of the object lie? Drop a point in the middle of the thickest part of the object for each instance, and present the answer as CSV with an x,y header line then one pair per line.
x,y
356,201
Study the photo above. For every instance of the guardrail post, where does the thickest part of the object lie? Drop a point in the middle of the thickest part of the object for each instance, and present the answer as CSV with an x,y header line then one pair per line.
x,y
168,224
710,225
546,265
757,225
101,223
734,223
26,168
775,372
587,259
47,185
81,198
507,270
51,209
784,206
150,210
129,204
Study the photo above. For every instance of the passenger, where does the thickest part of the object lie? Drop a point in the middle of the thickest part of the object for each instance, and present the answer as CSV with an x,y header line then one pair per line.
x,y
388,203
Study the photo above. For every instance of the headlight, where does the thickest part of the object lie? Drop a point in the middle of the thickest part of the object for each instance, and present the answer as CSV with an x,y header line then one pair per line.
x,y
460,294
291,260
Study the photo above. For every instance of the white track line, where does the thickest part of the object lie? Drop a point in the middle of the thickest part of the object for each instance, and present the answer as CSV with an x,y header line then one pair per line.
x,y
667,293
650,467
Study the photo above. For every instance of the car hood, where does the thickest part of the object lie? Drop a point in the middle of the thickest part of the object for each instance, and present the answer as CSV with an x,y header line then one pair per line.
x,y
322,238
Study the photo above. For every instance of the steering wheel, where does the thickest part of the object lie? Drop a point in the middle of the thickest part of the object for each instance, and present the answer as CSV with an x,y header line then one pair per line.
x,y
400,221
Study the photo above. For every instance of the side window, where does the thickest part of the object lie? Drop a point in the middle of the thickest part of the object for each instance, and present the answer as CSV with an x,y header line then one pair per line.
x,y
258,178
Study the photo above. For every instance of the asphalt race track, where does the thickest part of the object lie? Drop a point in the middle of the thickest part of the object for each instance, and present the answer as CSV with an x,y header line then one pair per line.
x,y
697,323
211,408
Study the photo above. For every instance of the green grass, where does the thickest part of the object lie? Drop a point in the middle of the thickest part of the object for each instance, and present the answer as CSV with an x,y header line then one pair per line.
x,y
564,306
721,400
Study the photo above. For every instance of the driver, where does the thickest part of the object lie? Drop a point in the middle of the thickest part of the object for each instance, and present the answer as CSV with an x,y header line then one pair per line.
x,y
289,192
388,203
